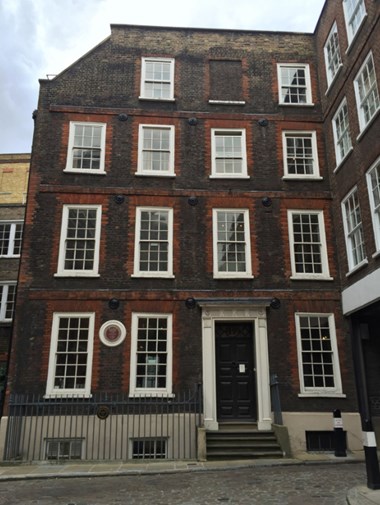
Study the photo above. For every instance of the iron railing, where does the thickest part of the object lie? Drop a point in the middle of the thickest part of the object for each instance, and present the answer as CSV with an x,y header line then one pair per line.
x,y
103,427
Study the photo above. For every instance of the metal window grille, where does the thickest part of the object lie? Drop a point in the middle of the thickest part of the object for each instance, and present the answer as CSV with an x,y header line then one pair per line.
x,y
320,441
149,449
104,425
63,449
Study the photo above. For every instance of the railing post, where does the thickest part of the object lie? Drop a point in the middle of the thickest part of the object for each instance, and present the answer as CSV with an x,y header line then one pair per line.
x,y
339,435
276,403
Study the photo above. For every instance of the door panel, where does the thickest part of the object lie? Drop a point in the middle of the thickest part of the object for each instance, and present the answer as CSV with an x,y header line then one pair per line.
x,y
235,378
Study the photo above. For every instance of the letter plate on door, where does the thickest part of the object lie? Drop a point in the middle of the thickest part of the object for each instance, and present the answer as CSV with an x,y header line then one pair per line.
x,y
242,368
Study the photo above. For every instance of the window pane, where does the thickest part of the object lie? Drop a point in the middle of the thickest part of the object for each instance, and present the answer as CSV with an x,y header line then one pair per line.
x,y
152,335
71,353
316,352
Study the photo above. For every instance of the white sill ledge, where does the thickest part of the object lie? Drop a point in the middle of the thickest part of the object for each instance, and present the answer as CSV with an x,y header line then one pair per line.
x,y
310,278
366,127
152,276
153,174
74,395
76,274
343,160
235,278
151,394
376,254
322,394
156,99
226,102
235,176
359,266
302,178
86,172
331,83
355,36
296,104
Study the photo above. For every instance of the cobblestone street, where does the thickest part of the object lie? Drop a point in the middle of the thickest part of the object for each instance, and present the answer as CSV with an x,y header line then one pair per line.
x,y
325,484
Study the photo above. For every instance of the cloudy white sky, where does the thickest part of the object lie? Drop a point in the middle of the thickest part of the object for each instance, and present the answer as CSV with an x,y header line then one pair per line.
x,y
40,37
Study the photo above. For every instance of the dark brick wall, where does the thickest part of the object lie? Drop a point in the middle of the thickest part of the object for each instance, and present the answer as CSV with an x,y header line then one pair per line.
x,y
366,145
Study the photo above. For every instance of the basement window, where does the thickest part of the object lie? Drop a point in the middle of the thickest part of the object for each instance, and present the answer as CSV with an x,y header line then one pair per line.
x,y
64,448
149,449
320,441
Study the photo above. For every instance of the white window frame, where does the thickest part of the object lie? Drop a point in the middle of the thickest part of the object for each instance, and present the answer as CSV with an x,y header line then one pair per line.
x,y
140,391
341,133
71,148
371,94
143,92
51,390
153,273
351,234
325,274
374,200
61,270
336,390
12,237
140,162
247,273
236,132
354,15
312,135
5,301
306,68
333,59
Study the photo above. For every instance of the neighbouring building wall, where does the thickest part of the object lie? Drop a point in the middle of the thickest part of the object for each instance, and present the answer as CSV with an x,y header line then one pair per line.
x,y
349,59
14,171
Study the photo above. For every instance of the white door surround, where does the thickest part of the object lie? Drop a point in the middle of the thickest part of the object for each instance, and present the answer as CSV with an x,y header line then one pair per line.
x,y
230,310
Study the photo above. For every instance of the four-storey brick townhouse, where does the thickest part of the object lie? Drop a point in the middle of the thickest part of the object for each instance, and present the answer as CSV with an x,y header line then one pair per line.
x,y
14,169
182,235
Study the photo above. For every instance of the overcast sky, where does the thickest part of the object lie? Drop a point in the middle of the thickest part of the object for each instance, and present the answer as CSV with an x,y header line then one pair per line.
x,y
40,37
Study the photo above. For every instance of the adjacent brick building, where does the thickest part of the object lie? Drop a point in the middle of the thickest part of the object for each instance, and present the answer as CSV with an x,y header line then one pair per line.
x,y
14,170
183,223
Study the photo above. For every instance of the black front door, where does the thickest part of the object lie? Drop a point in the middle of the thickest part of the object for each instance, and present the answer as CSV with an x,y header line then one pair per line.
x,y
235,377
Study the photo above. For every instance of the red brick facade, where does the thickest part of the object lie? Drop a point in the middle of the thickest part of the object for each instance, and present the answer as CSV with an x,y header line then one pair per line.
x,y
104,85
